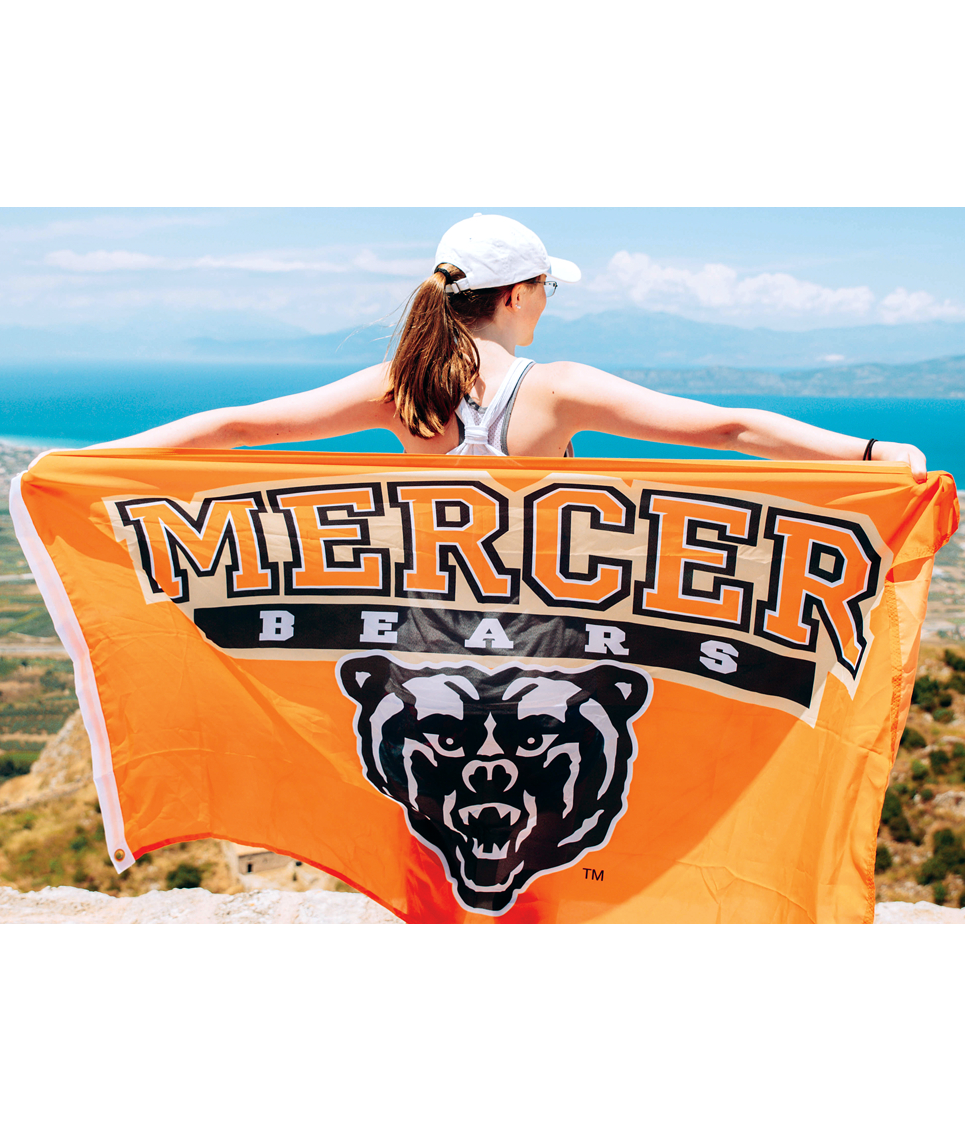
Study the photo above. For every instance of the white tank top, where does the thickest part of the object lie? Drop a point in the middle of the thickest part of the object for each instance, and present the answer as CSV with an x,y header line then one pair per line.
x,y
483,431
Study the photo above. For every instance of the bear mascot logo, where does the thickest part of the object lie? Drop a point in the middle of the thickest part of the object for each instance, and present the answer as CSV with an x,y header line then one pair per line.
x,y
505,773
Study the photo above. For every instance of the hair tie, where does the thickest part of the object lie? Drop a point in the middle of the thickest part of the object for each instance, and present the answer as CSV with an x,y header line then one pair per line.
x,y
867,451
449,279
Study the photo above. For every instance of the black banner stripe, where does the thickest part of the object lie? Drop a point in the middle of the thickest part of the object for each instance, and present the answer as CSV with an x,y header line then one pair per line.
x,y
347,627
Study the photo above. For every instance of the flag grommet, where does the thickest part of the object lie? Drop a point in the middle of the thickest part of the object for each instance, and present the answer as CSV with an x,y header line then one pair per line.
x,y
118,854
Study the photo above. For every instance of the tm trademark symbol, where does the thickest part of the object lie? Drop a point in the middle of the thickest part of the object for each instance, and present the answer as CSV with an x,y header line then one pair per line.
x,y
592,874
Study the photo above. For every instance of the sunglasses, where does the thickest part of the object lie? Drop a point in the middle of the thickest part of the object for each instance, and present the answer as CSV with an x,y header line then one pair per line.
x,y
550,288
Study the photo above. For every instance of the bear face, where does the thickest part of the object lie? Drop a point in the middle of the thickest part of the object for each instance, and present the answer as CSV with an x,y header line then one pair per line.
x,y
504,773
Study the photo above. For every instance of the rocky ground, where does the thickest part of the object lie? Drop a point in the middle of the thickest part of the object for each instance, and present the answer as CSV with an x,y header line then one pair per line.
x,y
189,906
197,906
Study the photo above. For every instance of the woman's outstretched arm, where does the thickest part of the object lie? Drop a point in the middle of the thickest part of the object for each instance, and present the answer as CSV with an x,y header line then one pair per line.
x,y
348,405
600,402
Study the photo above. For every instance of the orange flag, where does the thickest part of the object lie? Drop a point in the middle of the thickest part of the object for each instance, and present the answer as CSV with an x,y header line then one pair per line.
x,y
495,690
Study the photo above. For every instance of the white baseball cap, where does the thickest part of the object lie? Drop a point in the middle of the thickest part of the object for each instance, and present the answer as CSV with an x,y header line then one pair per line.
x,y
495,251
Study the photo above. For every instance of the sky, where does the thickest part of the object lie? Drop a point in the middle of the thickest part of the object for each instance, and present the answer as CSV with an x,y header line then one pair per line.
x,y
256,272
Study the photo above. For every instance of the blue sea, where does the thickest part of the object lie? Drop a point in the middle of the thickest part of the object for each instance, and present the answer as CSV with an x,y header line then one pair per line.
x,y
70,404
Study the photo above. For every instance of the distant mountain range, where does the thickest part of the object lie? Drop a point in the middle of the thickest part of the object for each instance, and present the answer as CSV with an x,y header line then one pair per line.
x,y
936,378
616,340
638,340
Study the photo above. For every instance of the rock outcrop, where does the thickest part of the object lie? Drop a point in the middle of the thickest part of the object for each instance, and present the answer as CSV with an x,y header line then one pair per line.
x,y
921,912
189,906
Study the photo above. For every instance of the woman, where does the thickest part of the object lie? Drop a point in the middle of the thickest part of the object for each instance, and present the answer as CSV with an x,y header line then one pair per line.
x,y
456,386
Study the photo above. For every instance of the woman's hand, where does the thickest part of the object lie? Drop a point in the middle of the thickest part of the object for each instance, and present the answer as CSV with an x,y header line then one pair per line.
x,y
902,454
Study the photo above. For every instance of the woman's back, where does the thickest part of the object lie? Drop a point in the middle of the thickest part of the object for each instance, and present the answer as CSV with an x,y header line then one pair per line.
x,y
536,427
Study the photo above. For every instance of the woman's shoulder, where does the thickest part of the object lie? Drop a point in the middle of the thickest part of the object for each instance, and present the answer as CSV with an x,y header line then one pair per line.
x,y
373,379
576,393
572,380
364,387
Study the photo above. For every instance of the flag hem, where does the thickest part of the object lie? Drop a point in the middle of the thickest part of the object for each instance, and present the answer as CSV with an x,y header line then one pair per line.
x,y
71,635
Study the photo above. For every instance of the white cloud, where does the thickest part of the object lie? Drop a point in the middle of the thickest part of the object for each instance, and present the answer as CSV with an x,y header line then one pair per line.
x,y
917,306
103,261
784,292
115,226
369,261
718,288
269,263
261,263
831,359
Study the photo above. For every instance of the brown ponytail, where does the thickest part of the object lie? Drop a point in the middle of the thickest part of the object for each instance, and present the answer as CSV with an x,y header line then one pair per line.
x,y
436,362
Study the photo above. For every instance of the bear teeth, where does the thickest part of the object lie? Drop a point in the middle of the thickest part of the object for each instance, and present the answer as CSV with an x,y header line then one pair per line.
x,y
502,809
